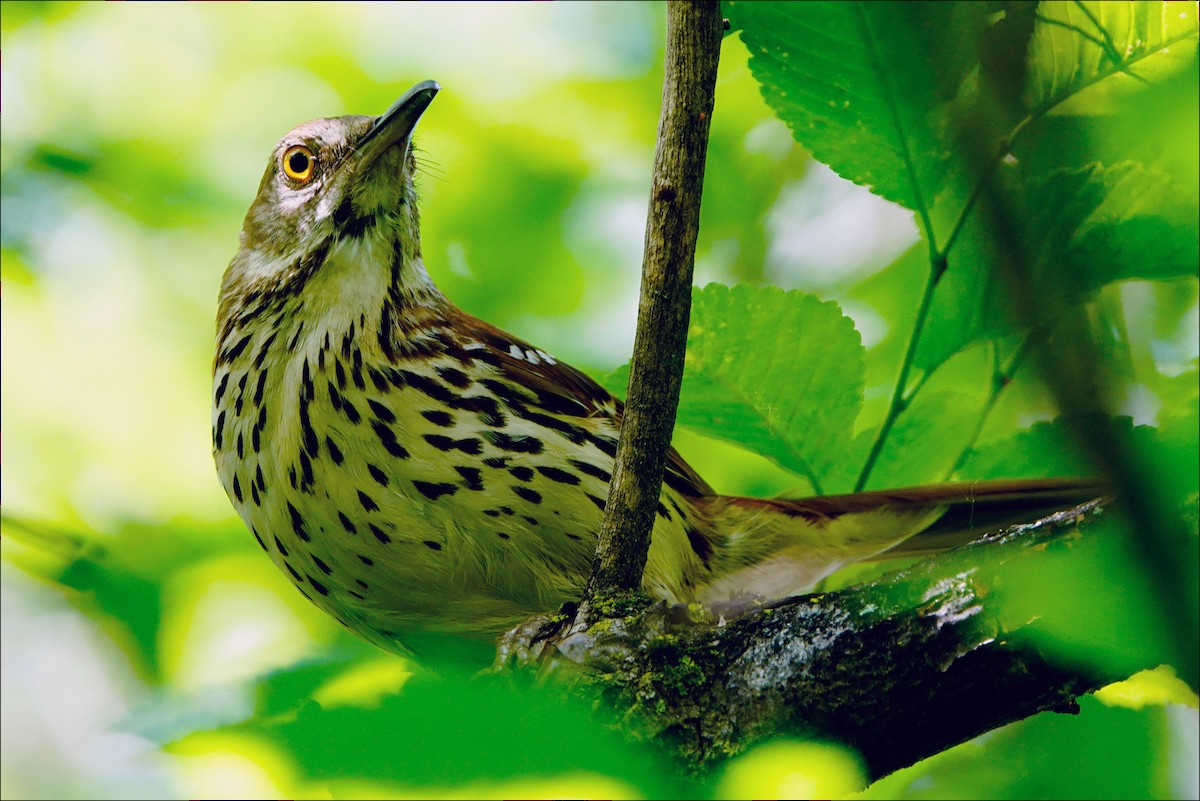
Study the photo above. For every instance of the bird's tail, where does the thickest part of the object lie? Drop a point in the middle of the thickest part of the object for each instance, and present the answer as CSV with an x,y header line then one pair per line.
x,y
776,548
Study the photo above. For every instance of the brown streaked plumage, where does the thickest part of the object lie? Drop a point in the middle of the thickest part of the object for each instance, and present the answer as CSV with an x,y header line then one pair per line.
x,y
412,468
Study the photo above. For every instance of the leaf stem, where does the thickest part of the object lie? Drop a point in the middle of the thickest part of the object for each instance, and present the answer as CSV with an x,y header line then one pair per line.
x,y
1001,378
899,402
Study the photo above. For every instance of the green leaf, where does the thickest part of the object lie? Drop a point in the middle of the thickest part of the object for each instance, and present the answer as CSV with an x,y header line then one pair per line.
x,y
926,440
1087,228
860,86
778,373
1078,44
451,731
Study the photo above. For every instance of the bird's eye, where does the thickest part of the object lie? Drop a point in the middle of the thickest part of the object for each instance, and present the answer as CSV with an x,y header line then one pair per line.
x,y
299,163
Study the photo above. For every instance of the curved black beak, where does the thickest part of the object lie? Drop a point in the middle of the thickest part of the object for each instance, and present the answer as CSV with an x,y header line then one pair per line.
x,y
395,126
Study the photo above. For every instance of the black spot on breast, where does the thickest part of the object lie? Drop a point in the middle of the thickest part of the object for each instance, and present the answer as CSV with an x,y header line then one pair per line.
x,y
326,569
366,502
507,510
559,475
531,495
306,473
442,443
377,474
496,462
279,546
232,353
473,477
221,389
662,511
261,544
335,453
491,512
366,560
297,522
219,430
575,537
292,570
237,406
388,438
258,478
254,495
308,390
380,534
339,372
379,380
433,491
316,585
433,389
237,489
382,412
259,387
346,524
517,444
502,535
335,397
600,502
433,546
439,418
454,377
351,413
357,595
530,520
261,356
241,448
521,473
592,470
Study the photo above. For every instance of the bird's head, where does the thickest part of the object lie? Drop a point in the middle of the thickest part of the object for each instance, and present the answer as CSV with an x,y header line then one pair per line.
x,y
337,196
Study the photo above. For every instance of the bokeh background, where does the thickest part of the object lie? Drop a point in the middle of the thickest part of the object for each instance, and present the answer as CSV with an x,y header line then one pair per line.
x,y
133,138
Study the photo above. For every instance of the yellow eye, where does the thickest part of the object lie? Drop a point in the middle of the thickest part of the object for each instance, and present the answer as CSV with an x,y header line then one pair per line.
x,y
299,163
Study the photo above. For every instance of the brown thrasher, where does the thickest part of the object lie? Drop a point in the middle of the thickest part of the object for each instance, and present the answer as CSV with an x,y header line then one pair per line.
x,y
414,469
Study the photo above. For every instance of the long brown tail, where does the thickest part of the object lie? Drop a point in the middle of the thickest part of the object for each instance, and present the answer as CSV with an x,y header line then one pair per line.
x,y
782,547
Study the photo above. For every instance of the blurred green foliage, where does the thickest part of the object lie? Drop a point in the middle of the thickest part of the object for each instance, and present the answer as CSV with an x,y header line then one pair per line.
x,y
150,650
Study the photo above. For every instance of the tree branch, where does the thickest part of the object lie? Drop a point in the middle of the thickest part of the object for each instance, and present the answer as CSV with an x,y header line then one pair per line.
x,y
898,669
656,369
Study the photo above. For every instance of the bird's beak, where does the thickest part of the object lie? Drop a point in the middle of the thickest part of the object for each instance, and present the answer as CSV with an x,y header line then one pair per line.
x,y
395,126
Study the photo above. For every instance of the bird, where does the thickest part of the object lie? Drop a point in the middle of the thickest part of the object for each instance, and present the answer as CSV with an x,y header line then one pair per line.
x,y
418,472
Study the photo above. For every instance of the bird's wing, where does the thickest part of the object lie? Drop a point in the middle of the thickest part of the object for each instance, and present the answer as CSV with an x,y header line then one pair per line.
x,y
557,388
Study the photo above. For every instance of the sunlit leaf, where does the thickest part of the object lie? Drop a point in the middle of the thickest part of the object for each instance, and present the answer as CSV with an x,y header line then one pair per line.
x,y
1086,228
859,85
779,373
1076,44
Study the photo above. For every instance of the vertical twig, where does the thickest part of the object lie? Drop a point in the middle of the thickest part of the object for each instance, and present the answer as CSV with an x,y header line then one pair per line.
x,y
656,369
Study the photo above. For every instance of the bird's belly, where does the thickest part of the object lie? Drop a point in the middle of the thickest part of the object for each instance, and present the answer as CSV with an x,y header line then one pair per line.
x,y
389,508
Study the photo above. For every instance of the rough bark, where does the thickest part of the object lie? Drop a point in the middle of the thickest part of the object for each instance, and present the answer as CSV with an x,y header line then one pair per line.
x,y
656,368
898,669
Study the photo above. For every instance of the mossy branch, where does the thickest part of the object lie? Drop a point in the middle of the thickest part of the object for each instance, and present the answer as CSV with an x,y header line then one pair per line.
x,y
898,669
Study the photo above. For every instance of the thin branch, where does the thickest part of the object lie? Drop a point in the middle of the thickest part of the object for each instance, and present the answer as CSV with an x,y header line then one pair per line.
x,y
694,31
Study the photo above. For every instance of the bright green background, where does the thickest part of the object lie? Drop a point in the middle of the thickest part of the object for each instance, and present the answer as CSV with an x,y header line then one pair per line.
x,y
136,609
